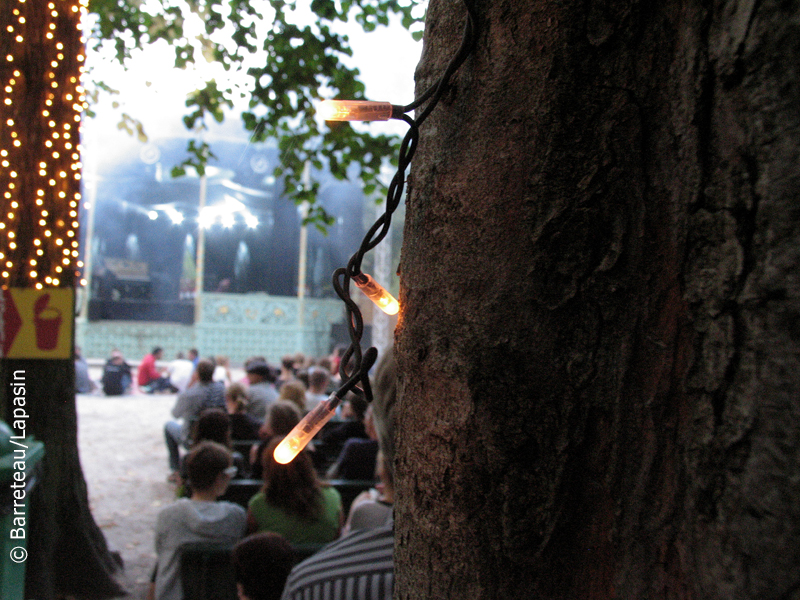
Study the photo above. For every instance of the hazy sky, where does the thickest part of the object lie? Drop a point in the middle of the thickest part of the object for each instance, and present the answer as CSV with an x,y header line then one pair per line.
x,y
154,92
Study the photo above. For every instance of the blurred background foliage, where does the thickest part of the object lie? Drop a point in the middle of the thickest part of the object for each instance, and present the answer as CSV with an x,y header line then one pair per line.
x,y
285,57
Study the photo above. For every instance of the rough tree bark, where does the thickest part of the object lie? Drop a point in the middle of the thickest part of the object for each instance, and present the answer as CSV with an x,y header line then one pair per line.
x,y
67,553
600,335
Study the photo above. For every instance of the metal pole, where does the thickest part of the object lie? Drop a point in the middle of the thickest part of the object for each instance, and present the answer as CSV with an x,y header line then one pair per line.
x,y
381,322
201,253
88,254
301,271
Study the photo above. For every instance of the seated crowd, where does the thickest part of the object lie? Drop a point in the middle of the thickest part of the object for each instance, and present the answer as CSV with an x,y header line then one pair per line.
x,y
223,437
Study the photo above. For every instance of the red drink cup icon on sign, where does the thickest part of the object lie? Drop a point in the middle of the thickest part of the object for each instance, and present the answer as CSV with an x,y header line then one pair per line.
x,y
47,321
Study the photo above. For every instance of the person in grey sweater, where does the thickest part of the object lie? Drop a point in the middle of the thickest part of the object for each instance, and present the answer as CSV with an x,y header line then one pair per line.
x,y
200,518
204,393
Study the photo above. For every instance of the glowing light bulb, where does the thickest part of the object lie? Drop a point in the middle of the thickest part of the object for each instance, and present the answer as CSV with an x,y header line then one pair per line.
x,y
355,110
375,292
305,430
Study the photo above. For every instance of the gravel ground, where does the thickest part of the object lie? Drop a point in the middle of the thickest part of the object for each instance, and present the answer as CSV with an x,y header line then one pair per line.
x,y
124,459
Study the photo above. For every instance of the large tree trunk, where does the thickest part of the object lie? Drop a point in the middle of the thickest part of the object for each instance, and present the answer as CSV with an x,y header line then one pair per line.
x,y
599,341
67,553
39,179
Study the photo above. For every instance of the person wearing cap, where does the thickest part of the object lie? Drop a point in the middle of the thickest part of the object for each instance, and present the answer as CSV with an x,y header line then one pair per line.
x,y
262,392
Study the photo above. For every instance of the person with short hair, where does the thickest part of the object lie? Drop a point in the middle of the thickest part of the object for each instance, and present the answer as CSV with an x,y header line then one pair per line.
x,y
261,564
200,518
214,425
148,377
319,379
201,395
261,390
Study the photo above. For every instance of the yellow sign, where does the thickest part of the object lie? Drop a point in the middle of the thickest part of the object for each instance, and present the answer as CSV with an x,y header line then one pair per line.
x,y
37,323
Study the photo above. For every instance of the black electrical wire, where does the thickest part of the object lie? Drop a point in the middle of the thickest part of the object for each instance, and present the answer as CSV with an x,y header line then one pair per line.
x,y
362,362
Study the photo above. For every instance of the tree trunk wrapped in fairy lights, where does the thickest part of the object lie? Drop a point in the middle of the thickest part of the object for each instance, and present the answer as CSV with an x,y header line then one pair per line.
x,y
40,170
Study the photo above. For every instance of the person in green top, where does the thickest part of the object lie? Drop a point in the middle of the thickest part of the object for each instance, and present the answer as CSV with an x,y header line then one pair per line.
x,y
294,503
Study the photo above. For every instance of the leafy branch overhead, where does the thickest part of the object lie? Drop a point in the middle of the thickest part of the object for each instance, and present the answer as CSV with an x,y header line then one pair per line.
x,y
288,60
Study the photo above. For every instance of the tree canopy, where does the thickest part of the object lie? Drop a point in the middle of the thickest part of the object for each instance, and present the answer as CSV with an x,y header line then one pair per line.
x,y
285,58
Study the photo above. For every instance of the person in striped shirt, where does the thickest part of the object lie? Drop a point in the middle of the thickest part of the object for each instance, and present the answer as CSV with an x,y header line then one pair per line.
x,y
359,566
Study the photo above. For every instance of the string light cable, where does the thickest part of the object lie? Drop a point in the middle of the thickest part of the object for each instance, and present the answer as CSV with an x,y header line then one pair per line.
x,y
355,364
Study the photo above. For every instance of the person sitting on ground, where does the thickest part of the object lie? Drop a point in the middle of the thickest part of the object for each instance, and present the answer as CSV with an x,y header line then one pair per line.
x,y
294,503
318,381
261,390
358,457
243,425
261,564
200,518
294,391
180,372
282,417
204,394
149,378
366,556
116,375
83,382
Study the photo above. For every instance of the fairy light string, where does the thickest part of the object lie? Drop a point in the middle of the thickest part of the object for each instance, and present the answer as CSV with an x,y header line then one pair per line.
x,y
40,151
343,276
355,364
